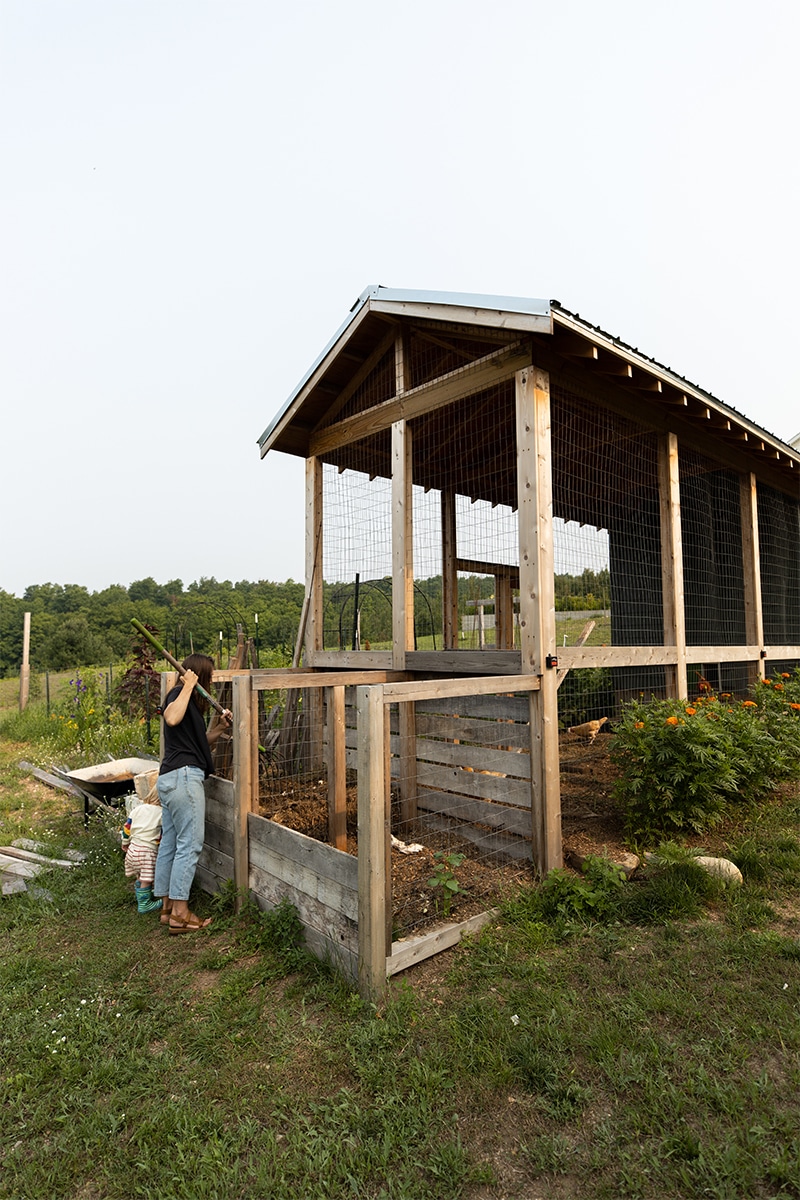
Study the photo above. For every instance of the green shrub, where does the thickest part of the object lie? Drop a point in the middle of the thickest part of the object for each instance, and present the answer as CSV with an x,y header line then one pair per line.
x,y
682,764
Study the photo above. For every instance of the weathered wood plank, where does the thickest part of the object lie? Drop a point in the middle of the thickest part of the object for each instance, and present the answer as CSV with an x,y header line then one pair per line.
x,y
477,758
465,729
215,864
217,837
267,836
340,660
498,708
330,936
426,689
470,783
409,951
503,847
302,878
480,812
464,662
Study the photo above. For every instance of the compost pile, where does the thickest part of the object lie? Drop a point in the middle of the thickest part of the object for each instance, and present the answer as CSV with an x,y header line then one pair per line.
x,y
591,825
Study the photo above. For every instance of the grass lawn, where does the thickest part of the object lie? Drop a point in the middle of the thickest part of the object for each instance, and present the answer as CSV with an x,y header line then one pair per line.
x,y
551,1057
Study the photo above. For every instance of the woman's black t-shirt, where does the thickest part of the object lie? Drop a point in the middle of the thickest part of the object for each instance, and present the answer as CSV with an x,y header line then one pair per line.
x,y
186,744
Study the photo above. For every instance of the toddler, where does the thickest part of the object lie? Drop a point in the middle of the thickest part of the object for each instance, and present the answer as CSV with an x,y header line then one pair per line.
x,y
141,835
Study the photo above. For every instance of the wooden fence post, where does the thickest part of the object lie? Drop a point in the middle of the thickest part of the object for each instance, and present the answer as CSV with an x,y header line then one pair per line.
x,y
672,562
337,768
373,842
537,608
244,783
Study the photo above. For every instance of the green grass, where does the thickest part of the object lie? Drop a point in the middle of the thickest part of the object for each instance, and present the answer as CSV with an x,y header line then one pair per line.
x,y
581,1048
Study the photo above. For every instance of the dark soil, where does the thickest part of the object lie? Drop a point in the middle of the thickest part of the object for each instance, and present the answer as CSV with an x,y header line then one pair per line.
x,y
591,824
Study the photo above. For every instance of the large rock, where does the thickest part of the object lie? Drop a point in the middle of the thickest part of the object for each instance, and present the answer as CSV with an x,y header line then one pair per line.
x,y
723,868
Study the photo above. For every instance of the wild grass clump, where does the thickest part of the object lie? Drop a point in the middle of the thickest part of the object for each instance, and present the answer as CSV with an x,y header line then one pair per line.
x,y
82,728
683,765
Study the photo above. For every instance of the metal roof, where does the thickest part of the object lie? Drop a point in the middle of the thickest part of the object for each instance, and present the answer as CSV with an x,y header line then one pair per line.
x,y
534,316
511,311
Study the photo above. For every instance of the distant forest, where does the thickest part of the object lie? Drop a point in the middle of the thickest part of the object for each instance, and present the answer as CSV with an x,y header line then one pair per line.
x,y
72,626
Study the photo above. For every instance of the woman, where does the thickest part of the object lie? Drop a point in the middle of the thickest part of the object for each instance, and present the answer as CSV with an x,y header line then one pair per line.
x,y
186,764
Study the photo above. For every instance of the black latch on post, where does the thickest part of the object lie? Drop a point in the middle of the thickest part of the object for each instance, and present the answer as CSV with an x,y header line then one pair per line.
x,y
551,661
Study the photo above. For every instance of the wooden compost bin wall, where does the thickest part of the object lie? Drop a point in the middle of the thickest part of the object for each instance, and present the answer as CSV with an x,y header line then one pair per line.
x,y
321,882
462,772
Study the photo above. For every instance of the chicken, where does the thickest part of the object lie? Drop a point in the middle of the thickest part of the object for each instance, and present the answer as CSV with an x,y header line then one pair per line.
x,y
589,729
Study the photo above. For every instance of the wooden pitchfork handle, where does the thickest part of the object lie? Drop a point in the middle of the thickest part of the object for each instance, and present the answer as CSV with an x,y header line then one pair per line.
x,y
215,704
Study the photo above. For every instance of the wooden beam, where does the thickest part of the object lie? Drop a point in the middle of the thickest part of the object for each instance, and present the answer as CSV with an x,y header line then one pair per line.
x,y
373,833
503,612
479,685
244,784
751,563
402,546
672,561
537,608
485,372
609,364
478,567
310,634
366,368
449,571
337,769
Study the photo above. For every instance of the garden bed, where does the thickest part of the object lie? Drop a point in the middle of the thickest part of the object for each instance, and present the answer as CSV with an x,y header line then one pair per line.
x,y
591,821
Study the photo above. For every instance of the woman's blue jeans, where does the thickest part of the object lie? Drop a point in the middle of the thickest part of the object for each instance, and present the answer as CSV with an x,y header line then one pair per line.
x,y
183,822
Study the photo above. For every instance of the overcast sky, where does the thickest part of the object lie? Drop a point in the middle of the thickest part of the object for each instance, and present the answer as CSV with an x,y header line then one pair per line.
x,y
193,195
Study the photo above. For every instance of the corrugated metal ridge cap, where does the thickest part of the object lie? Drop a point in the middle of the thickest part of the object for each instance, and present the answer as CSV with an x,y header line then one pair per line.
x,y
473,300
467,300
595,333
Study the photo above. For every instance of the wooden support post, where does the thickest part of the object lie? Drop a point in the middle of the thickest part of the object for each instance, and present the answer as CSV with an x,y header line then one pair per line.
x,y
751,563
450,630
672,562
314,708
503,612
313,599
373,836
407,779
25,669
537,608
244,784
402,546
337,769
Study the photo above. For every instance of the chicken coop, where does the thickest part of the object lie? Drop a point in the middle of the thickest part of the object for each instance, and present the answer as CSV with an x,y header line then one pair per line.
x,y
514,523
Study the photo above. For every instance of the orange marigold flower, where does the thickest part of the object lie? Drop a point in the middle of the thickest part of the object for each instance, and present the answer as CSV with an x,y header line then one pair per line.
x,y
640,724
796,707
691,711
671,721
725,695
778,687
749,704
785,675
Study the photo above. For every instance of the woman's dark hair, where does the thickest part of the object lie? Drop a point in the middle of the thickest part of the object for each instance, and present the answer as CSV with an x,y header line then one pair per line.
x,y
203,667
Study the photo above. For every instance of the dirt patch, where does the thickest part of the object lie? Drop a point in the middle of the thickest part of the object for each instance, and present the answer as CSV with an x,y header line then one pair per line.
x,y
591,824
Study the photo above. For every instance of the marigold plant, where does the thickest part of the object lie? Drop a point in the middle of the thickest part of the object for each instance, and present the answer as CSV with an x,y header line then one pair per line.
x,y
682,765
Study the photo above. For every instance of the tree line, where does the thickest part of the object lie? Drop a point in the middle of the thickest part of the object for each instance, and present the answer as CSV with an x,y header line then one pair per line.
x,y
72,626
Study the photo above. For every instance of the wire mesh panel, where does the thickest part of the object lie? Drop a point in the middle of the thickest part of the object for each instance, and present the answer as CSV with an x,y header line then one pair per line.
x,y
607,545
357,551
465,519
779,545
463,835
293,775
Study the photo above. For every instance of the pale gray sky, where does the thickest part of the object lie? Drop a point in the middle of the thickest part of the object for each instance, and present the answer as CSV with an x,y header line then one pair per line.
x,y
194,193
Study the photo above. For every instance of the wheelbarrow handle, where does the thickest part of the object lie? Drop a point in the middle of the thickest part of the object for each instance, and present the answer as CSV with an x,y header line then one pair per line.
x,y
215,704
